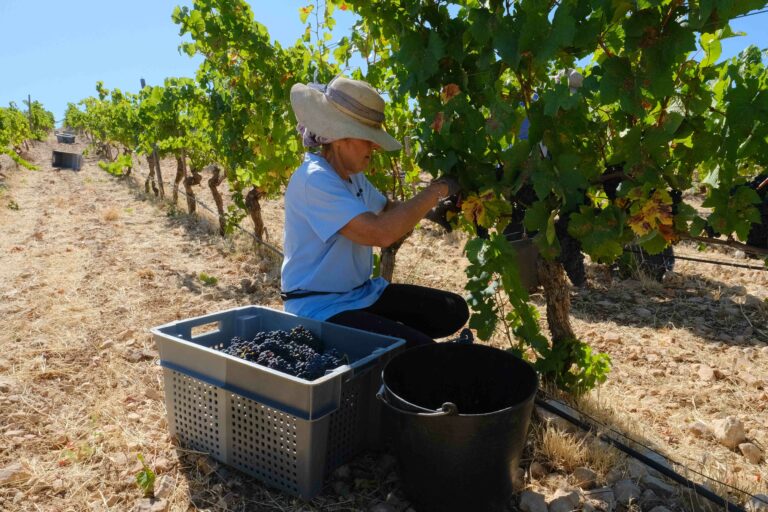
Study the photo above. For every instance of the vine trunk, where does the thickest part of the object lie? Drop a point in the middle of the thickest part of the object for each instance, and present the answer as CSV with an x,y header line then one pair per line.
x,y
150,181
213,184
127,151
253,207
181,172
189,182
557,293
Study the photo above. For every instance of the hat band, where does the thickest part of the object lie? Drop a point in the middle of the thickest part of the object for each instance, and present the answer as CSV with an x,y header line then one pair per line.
x,y
354,108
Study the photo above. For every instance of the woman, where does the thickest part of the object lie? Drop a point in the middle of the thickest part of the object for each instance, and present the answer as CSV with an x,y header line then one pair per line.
x,y
334,216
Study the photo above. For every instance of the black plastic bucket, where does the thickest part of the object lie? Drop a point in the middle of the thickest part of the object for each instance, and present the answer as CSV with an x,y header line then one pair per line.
x,y
458,417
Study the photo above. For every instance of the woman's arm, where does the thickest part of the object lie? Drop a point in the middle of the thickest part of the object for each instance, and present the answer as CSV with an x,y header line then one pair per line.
x,y
396,220
391,204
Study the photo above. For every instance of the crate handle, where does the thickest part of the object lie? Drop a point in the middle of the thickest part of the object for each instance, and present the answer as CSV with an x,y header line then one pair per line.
x,y
184,330
202,329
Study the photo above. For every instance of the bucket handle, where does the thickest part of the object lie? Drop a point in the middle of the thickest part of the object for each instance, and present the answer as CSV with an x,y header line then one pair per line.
x,y
447,409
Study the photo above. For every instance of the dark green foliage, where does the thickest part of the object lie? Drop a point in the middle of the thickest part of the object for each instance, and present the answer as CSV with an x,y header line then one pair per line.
x,y
41,120
648,109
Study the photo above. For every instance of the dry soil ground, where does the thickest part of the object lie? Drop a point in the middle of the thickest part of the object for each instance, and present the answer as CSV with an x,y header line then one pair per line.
x,y
89,264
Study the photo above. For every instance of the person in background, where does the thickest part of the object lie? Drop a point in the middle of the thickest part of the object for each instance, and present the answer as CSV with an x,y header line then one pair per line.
x,y
334,217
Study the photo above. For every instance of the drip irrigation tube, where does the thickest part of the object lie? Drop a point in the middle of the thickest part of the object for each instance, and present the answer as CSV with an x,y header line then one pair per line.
x,y
668,472
711,262
723,263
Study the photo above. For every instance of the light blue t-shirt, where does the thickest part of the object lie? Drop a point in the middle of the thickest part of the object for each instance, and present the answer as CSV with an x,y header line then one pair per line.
x,y
318,203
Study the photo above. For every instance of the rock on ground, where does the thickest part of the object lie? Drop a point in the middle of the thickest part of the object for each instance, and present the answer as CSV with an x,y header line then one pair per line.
x,y
164,486
699,429
531,501
16,473
626,492
151,505
537,470
648,500
636,469
751,452
601,499
585,477
758,503
658,486
706,373
613,476
6,384
564,501
729,432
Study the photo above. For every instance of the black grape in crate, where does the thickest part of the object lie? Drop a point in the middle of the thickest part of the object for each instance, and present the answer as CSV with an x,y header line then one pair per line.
x,y
297,352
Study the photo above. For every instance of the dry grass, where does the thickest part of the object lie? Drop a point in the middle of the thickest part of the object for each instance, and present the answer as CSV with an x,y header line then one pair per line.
x,y
146,273
563,450
566,450
111,214
84,391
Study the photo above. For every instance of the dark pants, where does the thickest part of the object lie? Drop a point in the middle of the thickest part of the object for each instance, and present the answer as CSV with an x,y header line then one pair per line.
x,y
414,313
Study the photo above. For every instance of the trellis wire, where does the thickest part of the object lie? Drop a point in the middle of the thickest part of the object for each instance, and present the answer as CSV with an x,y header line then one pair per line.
x,y
255,238
509,236
712,262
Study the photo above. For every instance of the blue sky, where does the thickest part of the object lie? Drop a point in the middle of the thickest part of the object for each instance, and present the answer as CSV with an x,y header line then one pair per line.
x,y
57,50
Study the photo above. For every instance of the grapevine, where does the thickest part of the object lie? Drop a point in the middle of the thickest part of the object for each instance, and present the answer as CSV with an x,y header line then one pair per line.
x,y
647,109
41,121
650,119
18,128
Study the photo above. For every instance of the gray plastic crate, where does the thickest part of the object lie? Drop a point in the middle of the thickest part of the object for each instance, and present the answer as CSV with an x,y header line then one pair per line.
x,y
285,431
67,160
65,138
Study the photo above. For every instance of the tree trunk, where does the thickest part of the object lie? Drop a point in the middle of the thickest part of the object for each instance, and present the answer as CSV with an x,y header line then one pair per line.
x,y
213,184
189,182
127,173
150,175
388,256
557,292
387,263
253,208
158,174
181,172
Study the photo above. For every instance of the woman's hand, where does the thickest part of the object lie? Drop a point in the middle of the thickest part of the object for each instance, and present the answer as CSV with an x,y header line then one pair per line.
x,y
451,184
392,224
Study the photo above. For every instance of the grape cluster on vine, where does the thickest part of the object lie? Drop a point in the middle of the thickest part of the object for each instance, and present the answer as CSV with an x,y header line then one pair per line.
x,y
297,352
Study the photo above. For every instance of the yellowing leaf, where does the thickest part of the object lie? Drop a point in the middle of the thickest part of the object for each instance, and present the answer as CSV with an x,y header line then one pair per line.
x,y
474,208
449,91
655,213
304,12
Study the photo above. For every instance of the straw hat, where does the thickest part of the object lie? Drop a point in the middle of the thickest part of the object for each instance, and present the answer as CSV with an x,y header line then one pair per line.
x,y
346,109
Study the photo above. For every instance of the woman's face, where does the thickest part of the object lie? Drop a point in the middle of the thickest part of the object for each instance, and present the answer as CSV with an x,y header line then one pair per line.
x,y
355,154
